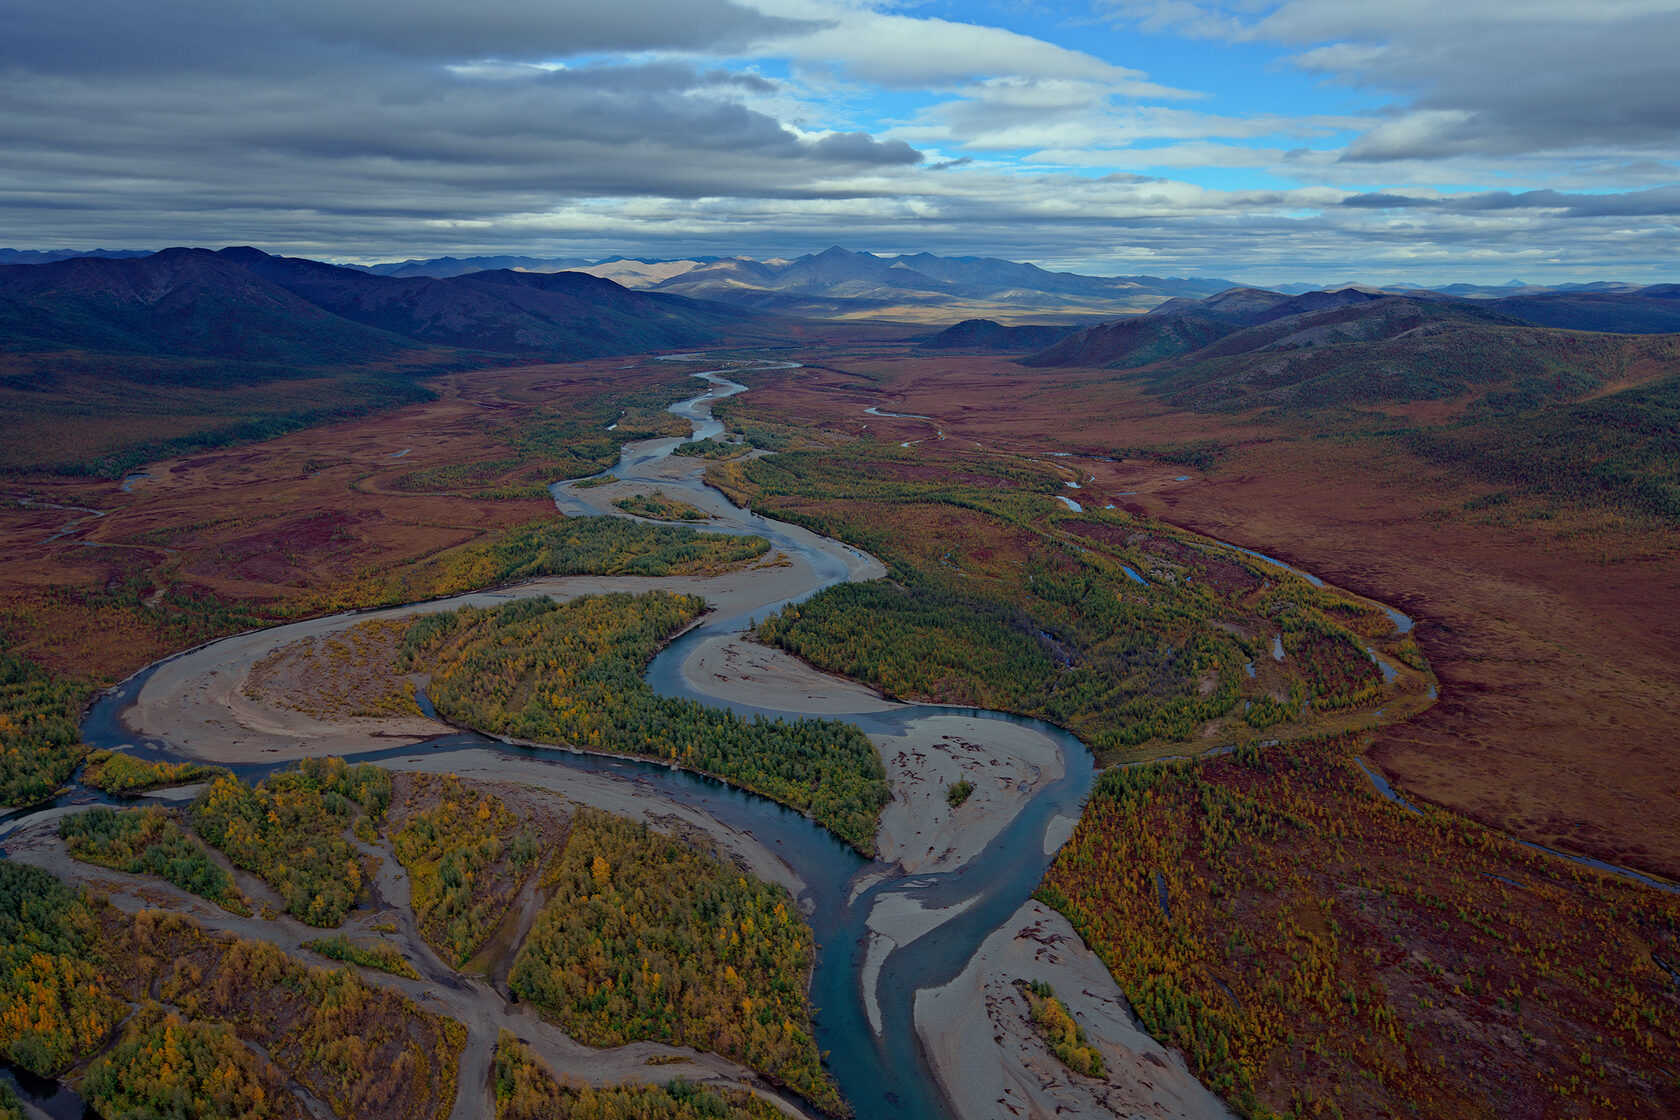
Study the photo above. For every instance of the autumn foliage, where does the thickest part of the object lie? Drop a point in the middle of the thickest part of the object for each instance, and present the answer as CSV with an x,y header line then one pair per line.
x,y
40,745
551,546
363,1051
168,1067
56,1002
1133,634
1065,1037
150,842
646,938
1312,947
467,856
289,830
125,775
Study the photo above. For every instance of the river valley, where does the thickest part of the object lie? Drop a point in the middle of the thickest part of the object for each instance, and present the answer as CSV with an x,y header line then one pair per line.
x,y
919,951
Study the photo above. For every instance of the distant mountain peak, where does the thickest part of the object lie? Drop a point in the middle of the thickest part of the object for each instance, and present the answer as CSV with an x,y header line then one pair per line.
x,y
242,254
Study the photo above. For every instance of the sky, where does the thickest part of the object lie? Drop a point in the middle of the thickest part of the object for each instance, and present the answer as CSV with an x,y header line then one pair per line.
x,y
1417,141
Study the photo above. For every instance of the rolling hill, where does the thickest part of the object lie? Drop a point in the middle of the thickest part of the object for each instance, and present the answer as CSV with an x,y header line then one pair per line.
x,y
179,302
555,316
1579,415
1248,347
994,338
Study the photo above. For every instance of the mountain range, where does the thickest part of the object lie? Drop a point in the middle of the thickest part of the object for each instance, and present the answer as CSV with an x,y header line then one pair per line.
x,y
925,288
243,304
833,284
922,287
47,256
840,283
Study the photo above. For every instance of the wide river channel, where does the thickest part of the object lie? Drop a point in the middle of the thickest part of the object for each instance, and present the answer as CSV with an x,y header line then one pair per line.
x,y
884,1073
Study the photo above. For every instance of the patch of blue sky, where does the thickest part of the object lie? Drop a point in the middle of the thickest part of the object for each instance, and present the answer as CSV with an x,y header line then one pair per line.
x,y
890,107
1230,84
1234,78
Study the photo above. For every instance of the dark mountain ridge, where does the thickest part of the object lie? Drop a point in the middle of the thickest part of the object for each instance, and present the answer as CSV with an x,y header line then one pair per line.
x,y
47,256
986,335
107,364
184,302
241,303
1650,310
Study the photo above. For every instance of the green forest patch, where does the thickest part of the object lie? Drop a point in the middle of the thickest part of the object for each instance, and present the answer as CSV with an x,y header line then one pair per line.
x,y
126,776
40,745
658,507
571,673
150,842
289,830
1134,635
468,855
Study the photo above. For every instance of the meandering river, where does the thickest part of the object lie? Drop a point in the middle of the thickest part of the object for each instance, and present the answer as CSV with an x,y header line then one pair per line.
x,y
856,988
864,984
885,1073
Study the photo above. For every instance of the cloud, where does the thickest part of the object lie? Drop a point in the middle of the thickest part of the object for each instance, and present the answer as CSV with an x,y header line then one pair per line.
x,y
905,52
1013,115
1379,200
249,109
1657,202
1495,77
535,29
757,126
862,148
1426,134
207,36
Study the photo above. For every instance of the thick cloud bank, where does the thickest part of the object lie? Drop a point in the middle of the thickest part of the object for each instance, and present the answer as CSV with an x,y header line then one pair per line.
x,y
1417,139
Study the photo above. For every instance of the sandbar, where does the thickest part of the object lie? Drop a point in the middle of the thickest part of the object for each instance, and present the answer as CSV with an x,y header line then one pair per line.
x,y
989,1061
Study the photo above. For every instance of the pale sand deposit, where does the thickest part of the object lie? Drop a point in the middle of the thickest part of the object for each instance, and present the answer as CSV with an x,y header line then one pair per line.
x,y
991,1063
197,702
734,668
1005,761
895,920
